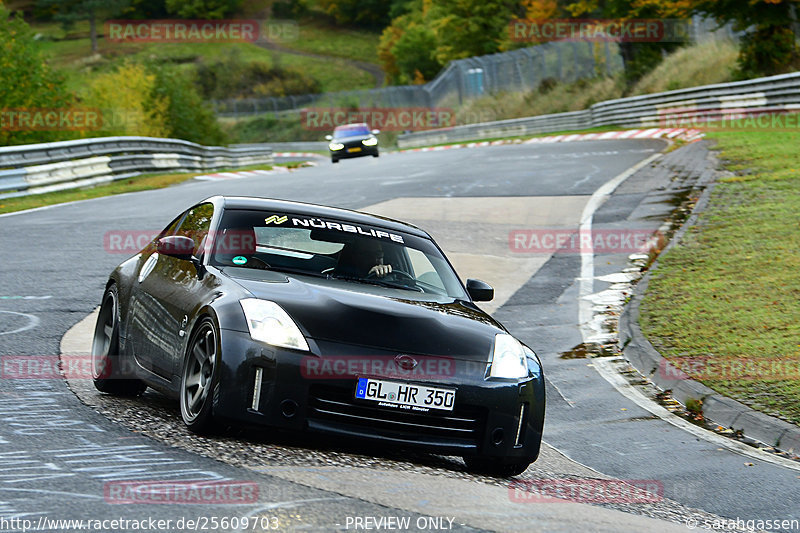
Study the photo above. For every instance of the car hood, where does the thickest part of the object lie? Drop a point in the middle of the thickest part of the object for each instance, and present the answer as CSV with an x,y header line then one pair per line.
x,y
351,138
382,318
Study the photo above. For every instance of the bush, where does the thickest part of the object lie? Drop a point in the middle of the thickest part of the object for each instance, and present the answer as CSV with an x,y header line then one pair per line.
x,y
768,50
232,77
290,9
129,102
27,82
188,117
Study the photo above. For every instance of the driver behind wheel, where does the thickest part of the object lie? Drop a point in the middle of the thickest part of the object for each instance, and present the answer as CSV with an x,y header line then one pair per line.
x,y
362,258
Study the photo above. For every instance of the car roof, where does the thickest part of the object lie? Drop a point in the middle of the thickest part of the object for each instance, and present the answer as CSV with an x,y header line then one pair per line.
x,y
269,204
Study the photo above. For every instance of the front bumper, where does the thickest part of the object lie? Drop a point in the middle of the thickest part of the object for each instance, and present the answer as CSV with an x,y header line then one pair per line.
x,y
261,385
345,153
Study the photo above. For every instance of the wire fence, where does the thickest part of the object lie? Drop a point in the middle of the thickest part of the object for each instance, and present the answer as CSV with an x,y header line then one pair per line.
x,y
474,77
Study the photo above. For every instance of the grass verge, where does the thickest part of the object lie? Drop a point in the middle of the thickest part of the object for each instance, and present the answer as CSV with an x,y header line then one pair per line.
x,y
139,183
730,291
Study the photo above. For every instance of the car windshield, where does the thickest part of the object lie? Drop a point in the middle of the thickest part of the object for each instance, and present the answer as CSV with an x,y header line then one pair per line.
x,y
333,249
351,131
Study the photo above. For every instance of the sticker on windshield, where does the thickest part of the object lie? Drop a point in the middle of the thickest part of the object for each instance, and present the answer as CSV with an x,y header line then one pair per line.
x,y
239,260
346,228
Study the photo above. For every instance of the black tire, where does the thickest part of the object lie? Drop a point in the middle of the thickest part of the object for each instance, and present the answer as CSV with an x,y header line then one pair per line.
x,y
199,378
108,372
334,160
494,467
376,154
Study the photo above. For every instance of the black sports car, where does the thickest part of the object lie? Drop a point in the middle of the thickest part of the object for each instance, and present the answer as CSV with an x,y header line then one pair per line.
x,y
352,140
303,317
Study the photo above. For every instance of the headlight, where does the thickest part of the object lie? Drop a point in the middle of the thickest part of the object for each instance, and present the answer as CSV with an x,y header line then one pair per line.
x,y
372,141
534,367
268,322
335,146
508,358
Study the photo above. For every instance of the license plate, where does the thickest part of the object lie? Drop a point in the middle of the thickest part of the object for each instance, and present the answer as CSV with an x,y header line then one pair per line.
x,y
405,395
357,149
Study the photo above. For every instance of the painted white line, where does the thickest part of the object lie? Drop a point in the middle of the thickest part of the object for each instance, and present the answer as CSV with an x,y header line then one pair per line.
x,y
628,133
645,133
608,135
33,321
586,282
604,366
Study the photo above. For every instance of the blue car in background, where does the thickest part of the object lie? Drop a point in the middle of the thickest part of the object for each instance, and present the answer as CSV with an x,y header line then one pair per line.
x,y
352,140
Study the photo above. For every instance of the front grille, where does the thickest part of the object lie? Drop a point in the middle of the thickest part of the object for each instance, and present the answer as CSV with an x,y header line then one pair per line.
x,y
463,425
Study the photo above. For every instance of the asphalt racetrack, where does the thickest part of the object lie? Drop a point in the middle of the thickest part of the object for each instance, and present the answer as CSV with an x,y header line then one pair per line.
x,y
58,455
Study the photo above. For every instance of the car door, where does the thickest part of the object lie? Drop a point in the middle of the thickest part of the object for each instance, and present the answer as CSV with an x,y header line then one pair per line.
x,y
163,298
146,329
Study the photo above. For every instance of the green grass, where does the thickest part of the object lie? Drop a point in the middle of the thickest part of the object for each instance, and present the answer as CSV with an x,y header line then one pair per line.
x,y
139,183
334,74
73,57
692,66
348,43
731,290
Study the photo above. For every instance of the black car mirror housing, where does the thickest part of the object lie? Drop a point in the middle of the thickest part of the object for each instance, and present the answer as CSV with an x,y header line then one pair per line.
x,y
176,246
479,291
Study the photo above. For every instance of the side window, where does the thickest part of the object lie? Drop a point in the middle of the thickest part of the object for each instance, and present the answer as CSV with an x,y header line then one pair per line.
x,y
173,226
196,224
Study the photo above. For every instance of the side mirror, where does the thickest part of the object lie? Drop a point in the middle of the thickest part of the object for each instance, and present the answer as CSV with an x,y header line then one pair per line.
x,y
176,246
376,132
329,137
479,291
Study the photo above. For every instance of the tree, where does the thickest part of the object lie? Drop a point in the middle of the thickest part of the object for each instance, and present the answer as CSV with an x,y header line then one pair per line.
x,y
28,82
146,9
407,49
188,116
466,28
432,33
68,12
769,45
415,53
639,58
203,9
372,13
129,102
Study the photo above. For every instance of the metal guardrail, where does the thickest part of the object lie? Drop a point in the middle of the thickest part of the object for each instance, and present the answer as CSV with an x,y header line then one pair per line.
x,y
300,146
47,167
666,110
